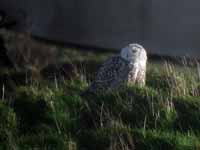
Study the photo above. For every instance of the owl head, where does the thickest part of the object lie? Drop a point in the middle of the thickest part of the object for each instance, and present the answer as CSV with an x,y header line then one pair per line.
x,y
133,52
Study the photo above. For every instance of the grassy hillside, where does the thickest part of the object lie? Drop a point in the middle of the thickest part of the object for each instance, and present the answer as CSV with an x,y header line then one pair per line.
x,y
49,113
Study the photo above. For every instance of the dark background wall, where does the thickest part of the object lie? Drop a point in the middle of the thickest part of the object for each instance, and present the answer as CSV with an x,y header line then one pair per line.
x,y
175,27
163,27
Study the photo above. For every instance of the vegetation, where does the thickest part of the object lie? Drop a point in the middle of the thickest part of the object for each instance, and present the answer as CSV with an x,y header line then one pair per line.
x,y
52,113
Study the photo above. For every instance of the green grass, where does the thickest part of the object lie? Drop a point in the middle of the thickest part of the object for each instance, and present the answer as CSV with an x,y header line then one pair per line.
x,y
51,114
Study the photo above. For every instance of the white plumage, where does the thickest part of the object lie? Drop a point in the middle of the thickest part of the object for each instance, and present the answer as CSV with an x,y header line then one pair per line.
x,y
127,68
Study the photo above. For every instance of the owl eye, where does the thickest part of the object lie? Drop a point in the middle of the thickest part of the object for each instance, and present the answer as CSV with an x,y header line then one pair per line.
x,y
134,49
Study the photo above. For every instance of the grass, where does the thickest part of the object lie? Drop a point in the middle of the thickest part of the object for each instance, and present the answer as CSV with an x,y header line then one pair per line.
x,y
51,114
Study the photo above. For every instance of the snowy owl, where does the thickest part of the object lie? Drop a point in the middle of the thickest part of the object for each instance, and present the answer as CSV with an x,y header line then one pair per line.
x,y
127,68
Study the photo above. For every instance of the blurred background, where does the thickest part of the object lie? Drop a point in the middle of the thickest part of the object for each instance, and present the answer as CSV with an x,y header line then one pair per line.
x,y
163,27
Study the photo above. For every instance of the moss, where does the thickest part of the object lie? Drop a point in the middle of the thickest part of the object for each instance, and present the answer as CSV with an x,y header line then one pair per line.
x,y
66,110
91,140
187,109
106,137
31,109
7,124
156,140
42,141
115,136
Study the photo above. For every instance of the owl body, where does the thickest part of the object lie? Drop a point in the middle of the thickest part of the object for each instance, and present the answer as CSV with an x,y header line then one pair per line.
x,y
127,68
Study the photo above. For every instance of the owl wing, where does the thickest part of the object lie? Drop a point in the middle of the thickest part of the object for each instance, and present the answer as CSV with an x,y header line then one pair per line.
x,y
110,75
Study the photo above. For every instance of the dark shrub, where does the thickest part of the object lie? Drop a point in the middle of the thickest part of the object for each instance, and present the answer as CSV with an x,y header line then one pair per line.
x,y
30,108
7,123
188,112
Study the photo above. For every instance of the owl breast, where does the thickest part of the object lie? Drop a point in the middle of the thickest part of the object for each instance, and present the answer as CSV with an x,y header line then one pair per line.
x,y
137,73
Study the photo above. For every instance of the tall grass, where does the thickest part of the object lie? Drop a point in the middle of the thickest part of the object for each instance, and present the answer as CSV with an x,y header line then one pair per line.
x,y
53,114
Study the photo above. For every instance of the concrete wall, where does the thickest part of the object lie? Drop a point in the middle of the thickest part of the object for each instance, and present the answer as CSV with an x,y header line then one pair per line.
x,y
175,27
163,27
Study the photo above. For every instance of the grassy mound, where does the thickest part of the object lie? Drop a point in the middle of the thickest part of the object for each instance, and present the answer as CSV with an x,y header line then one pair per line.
x,y
51,112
